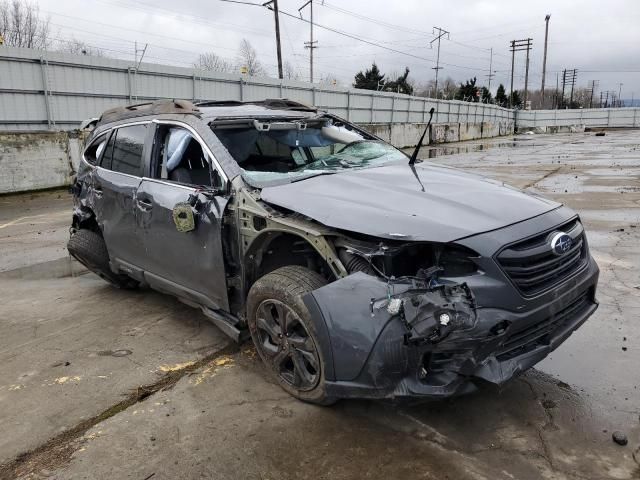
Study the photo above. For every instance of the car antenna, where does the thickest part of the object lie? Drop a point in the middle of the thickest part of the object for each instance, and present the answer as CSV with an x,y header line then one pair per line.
x,y
415,152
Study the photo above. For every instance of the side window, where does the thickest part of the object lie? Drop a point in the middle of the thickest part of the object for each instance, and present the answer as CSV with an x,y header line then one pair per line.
x,y
92,154
181,158
105,161
127,149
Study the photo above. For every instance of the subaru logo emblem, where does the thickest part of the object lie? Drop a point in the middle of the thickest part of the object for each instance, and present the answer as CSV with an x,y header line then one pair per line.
x,y
561,243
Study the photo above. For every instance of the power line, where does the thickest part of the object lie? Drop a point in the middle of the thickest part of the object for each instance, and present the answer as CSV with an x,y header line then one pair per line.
x,y
402,28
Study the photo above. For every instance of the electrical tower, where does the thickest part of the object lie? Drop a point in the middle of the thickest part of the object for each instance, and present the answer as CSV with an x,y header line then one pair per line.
x,y
311,44
517,46
441,33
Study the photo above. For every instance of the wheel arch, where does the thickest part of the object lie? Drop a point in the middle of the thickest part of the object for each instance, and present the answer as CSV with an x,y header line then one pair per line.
x,y
278,247
85,217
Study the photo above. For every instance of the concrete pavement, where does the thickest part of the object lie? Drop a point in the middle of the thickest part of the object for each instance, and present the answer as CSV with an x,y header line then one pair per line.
x,y
153,391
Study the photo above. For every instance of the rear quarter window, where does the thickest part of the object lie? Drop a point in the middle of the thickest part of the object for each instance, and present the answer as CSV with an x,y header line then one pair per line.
x,y
94,151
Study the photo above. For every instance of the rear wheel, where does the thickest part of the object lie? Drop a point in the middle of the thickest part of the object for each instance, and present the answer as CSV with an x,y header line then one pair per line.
x,y
88,248
283,333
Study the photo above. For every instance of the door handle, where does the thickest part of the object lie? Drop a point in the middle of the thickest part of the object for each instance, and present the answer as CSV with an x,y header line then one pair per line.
x,y
144,204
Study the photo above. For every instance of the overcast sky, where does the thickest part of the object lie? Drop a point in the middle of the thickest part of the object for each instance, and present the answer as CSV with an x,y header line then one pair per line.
x,y
600,39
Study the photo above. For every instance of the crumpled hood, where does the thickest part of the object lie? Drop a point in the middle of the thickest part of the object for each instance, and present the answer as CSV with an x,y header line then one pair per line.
x,y
428,202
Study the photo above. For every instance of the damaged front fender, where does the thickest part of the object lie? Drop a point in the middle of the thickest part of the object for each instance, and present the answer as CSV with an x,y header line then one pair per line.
x,y
355,310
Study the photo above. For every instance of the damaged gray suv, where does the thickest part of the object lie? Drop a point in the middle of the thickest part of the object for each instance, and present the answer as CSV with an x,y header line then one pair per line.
x,y
357,271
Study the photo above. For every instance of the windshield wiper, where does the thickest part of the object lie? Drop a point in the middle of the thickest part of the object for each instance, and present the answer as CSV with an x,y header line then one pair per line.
x,y
311,175
415,152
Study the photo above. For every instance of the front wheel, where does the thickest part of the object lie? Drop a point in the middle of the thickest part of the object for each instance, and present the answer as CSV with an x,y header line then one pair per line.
x,y
283,333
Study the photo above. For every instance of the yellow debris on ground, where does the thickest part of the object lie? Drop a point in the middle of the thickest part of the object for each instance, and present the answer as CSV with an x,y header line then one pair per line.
x,y
213,368
176,367
62,380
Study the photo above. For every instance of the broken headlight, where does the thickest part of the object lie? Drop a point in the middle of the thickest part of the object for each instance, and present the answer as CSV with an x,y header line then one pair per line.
x,y
457,261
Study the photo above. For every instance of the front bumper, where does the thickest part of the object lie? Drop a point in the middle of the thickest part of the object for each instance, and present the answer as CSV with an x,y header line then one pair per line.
x,y
368,356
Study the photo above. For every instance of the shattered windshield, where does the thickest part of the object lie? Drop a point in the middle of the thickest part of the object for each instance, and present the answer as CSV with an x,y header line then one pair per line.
x,y
283,152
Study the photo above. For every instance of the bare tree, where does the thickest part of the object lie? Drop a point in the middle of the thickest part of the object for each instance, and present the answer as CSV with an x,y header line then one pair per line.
x,y
80,47
289,72
330,79
22,26
446,89
248,58
213,62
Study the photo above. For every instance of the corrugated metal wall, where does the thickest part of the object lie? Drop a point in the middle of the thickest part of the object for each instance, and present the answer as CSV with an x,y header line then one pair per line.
x,y
589,117
56,91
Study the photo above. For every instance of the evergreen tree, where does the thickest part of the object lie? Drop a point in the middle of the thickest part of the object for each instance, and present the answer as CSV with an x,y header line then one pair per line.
x,y
400,85
485,95
516,101
371,79
501,97
468,92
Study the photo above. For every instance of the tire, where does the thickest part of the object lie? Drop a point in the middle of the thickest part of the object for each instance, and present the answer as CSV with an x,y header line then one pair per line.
x,y
88,248
292,358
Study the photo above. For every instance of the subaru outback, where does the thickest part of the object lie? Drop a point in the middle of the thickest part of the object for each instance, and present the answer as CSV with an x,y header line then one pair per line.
x,y
356,270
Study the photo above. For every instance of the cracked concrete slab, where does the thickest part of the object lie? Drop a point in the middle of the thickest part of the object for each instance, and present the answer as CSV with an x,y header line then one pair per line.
x,y
232,422
70,348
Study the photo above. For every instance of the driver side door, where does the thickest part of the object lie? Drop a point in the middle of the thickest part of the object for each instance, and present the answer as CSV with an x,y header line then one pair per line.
x,y
179,218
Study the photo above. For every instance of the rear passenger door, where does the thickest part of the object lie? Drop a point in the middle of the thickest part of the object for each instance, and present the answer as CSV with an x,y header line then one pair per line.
x,y
115,184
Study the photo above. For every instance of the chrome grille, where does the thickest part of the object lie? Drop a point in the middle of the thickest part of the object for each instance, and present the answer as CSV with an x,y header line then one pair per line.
x,y
533,267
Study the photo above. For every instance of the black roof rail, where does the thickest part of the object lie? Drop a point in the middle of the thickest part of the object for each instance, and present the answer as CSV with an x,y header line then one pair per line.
x,y
274,103
149,108
220,103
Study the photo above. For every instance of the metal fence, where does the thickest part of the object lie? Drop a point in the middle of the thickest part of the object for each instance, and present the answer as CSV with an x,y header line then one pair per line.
x,y
589,117
56,91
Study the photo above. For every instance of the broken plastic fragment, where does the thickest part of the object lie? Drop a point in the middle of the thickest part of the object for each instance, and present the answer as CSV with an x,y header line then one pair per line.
x,y
395,304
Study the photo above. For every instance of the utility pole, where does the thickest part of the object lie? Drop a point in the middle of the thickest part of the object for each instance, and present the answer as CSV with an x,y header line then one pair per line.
x,y
574,75
564,81
311,44
517,46
273,5
593,88
569,76
137,64
526,74
620,94
441,33
544,59
491,75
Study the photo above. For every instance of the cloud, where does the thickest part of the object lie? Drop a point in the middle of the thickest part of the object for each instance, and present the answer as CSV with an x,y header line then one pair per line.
x,y
601,41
